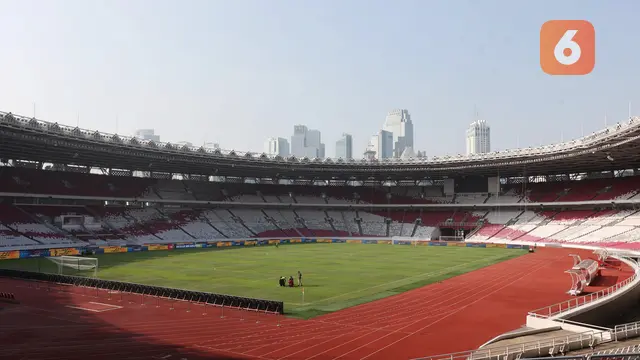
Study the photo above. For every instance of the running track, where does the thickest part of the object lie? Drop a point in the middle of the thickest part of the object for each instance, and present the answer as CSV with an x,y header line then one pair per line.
x,y
455,315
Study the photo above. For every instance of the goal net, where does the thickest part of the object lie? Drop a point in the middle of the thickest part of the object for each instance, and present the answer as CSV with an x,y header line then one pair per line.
x,y
76,265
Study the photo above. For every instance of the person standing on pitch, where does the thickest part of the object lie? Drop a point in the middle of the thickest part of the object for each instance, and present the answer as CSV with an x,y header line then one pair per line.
x,y
299,278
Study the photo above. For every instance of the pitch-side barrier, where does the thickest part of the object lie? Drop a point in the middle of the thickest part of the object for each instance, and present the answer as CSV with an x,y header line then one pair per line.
x,y
172,295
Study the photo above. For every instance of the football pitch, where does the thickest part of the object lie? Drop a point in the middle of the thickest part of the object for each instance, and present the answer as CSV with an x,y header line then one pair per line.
x,y
335,276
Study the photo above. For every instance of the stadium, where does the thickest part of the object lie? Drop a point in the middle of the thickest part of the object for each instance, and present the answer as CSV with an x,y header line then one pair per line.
x,y
113,247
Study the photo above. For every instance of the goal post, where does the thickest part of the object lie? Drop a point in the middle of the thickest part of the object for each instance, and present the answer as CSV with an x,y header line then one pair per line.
x,y
76,265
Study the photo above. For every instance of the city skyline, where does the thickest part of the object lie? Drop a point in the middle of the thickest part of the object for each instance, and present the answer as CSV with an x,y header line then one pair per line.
x,y
393,140
234,77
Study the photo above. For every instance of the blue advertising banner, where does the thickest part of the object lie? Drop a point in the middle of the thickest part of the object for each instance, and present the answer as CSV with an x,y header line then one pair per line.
x,y
34,253
184,246
476,245
437,243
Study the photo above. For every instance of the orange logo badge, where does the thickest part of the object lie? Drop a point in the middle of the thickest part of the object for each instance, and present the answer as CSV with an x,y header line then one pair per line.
x,y
567,47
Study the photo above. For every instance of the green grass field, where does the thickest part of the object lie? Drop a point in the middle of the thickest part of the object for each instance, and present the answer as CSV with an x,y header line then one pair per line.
x,y
335,276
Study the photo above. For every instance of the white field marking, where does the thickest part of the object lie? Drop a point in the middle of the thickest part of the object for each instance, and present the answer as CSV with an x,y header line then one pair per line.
x,y
427,274
81,308
107,305
110,307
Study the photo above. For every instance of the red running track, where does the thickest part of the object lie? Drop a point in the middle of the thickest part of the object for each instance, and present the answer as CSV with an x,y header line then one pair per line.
x,y
63,322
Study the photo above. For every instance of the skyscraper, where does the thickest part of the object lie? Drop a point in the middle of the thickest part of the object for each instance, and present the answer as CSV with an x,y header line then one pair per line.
x,y
398,122
381,145
298,140
385,145
306,143
313,145
478,138
277,146
344,147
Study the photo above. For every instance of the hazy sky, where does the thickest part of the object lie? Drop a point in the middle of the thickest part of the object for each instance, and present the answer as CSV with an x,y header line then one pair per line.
x,y
239,71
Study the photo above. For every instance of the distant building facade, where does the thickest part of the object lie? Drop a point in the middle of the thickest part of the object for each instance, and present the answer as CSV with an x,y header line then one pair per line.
x,y
306,142
147,134
478,138
277,146
398,122
380,146
344,147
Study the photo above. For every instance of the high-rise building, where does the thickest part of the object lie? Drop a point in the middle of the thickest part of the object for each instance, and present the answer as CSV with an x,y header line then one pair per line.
x,y
344,147
478,138
313,145
307,143
147,134
381,145
398,122
298,140
385,145
276,146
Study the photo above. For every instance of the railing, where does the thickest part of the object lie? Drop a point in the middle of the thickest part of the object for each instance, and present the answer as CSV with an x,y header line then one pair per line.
x,y
624,331
534,348
612,356
570,322
566,306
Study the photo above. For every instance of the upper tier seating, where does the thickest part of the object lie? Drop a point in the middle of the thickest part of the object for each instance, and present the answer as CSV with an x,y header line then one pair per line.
x,y
25,180
36,225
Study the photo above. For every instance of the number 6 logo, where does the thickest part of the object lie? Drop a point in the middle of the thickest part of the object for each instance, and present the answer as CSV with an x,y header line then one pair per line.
x,y
567,47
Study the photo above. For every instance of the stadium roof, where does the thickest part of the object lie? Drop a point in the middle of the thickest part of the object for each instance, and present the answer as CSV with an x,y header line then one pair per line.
x,y
21,138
